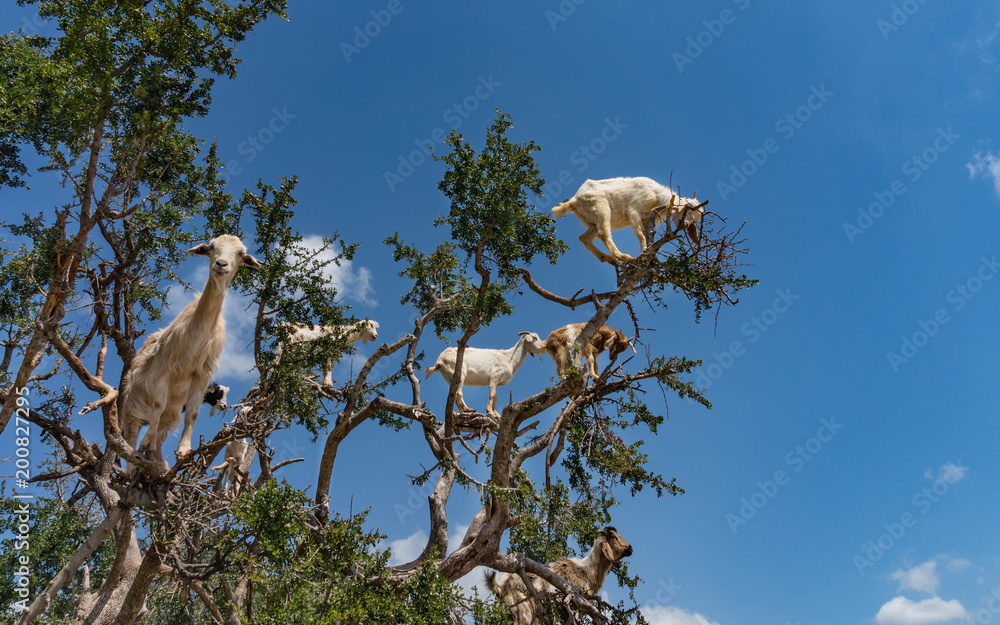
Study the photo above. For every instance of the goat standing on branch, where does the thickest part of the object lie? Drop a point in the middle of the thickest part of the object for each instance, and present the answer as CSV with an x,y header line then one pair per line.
x,y
586,573
174,366
486,367
364,331
605,339
616,203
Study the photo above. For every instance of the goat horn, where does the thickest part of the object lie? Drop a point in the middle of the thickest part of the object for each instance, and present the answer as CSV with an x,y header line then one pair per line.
x,y
523,333
630,344
695,196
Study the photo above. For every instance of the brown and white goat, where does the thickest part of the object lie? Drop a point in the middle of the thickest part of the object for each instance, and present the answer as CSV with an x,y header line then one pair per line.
x,y
587,574
616,203
605,339
175,364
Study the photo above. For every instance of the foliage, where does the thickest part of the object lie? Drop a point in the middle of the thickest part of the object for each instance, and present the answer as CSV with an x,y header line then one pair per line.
x,y
55,529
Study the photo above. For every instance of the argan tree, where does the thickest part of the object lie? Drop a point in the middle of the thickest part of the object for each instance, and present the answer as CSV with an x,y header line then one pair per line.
x,y
101,106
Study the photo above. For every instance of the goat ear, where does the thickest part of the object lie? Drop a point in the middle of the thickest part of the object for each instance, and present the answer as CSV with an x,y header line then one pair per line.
x,y
251,262
200,250
607,550
632,345
692,231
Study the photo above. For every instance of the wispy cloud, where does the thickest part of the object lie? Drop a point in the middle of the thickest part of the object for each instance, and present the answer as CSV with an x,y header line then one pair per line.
x,y
350,282
988,165
922,578
954,565
672,615
986,42
950,472
903,611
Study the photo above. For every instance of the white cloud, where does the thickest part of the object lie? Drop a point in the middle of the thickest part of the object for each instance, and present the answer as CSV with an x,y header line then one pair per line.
x,y
922,578
989,165
949,472
954,565
407,549
672,615
903,611
474,579
350,283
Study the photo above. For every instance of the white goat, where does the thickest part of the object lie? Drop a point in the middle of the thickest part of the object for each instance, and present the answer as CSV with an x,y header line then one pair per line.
x,y
616,203
587,574
605,338
486,367
174,366
238,453
364,331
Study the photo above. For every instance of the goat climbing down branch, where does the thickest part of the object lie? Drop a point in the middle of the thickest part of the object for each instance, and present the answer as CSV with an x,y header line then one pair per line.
x,y
587,574
605,339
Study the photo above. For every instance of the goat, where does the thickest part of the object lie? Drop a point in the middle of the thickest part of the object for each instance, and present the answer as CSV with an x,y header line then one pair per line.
x,y
237,453
615,203
587,574
486,367
216,396
173,367
364,331
606,338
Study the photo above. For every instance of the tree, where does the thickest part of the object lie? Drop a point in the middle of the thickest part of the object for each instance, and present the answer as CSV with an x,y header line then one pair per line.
x,y
103,105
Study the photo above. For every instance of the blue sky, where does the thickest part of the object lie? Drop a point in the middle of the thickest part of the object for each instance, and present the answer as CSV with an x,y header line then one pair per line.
x,y
859,143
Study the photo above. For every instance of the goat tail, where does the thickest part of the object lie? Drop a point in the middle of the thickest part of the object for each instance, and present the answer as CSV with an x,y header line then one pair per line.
x,y
491,582
563,209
